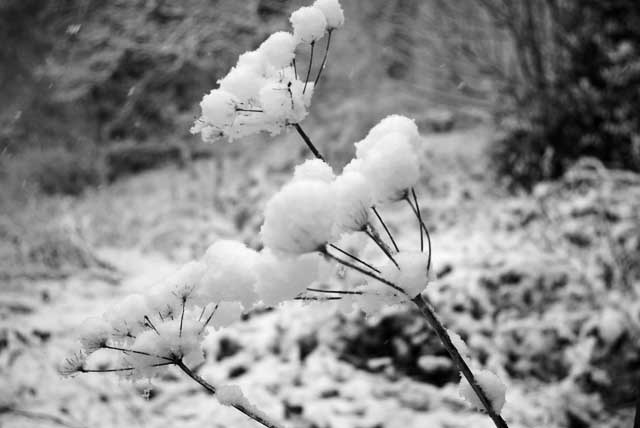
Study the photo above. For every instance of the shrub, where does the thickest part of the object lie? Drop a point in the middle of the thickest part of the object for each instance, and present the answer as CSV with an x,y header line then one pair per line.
x,y
575,89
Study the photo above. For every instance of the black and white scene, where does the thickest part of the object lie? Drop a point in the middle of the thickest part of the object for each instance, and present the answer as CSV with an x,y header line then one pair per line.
x,y
319,213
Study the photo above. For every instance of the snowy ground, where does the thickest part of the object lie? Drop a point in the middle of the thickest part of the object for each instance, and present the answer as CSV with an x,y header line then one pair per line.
x,y
529,282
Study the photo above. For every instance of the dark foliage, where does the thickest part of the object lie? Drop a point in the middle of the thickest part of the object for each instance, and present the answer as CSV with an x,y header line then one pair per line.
x,y
576,91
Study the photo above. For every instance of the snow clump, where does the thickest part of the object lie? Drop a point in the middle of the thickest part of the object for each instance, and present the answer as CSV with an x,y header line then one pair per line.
x,y
313,169
282,278
299,218
229,274
309,24
279,49
354,199
332,12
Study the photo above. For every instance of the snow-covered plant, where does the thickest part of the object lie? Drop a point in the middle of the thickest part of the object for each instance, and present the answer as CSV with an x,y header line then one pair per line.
x,y
304,224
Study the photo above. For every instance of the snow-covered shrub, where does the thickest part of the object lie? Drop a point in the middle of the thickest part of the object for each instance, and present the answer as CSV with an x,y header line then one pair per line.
x,y
304,225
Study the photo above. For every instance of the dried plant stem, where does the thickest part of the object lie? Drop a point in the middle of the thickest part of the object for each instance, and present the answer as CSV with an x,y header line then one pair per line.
x,y
308,142
351,256
371,233
416,211
443,335
319,290
386,229
121,369
206,323
419,214
133,351
238,406
306,79
248,110
324,59
363,271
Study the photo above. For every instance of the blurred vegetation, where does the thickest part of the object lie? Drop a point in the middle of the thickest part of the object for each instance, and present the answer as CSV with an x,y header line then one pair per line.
x,y
568,87
561,77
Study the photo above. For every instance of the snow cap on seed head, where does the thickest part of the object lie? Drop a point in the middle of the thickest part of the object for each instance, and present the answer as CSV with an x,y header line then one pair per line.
x,y
167,297
127,316
309,24
218,108
229,275
390,124
299,218
282,278
244,82
391,168
313,169
354,199
332,12
279,49
94,333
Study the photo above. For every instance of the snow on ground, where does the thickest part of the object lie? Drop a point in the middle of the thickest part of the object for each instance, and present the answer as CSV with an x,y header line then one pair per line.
x,y
531,307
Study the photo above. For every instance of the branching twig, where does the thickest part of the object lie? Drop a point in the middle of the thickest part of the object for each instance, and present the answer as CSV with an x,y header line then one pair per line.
x,y
363,271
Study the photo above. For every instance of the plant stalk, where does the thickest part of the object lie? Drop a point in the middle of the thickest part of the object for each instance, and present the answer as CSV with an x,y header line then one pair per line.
x,y
308,142
212,390
443,335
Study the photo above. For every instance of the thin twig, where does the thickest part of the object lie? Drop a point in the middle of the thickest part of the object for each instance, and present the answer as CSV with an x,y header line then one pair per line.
x,y
295,69
133,351
415,199
426,232
248,110
324,60
374,236
364,272
443,335
121,369
316,298
150,324
320,290
184,301
348,254
386,229
215,308
308,142
309,69
238,406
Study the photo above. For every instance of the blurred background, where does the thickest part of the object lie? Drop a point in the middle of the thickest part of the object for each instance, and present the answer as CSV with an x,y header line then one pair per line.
x,y
530,116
